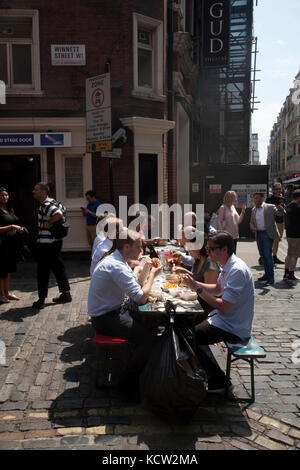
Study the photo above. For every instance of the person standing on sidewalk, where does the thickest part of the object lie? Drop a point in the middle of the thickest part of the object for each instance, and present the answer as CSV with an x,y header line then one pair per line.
x,y
228,217
278,200
293,236
90,211
262,223
49,248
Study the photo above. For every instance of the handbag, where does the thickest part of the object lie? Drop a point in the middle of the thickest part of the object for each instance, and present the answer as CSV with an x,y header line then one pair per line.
x,y
224,223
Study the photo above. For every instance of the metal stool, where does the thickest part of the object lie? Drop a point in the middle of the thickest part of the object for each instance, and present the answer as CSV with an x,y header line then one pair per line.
x,y
248,353
111,359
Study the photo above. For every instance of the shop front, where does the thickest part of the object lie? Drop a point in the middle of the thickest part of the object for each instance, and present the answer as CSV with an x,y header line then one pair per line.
x,y
50,150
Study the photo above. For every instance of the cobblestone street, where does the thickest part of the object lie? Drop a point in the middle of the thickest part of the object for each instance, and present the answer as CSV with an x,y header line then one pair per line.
x,y
47,394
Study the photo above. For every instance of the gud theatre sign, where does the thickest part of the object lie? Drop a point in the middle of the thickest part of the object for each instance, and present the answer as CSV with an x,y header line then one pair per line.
x,y
215,33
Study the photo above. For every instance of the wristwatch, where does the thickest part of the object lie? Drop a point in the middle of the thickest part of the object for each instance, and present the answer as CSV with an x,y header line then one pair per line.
x,y
199,290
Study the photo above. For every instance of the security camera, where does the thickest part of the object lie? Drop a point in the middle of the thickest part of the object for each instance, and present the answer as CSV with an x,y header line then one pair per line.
x,y
120,133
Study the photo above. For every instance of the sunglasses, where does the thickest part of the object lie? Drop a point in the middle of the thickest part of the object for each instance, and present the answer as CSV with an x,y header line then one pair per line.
x,y
210,249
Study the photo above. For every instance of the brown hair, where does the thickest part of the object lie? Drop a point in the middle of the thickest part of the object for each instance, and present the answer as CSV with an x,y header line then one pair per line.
x,y
223,238
123,237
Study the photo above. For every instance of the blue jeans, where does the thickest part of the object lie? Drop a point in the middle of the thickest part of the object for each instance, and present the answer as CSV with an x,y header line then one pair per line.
x,y
265,244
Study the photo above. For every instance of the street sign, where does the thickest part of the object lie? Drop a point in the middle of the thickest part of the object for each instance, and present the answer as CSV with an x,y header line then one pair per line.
x,y
36,139
115,153
98,113
68,54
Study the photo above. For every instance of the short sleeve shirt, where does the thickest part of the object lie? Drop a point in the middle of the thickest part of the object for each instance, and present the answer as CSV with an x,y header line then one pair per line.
x,y
111,281
91,220
237,287
46,211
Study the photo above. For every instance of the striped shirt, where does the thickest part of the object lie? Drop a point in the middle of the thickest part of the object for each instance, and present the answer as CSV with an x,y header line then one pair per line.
x,y
46,211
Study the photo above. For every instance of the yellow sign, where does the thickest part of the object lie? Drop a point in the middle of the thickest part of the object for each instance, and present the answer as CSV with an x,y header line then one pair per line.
x,y
99,146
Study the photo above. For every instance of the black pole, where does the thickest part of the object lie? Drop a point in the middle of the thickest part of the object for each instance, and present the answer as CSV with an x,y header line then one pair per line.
x,y
111,174
170,95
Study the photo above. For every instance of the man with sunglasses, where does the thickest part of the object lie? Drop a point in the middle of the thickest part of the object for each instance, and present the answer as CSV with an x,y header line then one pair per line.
x,y
232,299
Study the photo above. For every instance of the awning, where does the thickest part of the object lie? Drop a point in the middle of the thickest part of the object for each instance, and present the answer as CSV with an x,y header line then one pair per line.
x,y
294,180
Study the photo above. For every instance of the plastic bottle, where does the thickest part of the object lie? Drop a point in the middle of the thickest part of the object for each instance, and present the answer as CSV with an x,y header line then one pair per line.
x,y
163,261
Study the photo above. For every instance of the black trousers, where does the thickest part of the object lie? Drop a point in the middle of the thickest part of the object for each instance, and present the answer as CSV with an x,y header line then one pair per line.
x,y
208,334
49,259
123,325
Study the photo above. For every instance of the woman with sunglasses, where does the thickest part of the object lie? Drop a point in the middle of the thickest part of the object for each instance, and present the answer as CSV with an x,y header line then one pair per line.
x,y
203,268
8,245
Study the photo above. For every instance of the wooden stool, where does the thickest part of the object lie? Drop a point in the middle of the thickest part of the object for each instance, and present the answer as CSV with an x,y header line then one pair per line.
x,y
111,359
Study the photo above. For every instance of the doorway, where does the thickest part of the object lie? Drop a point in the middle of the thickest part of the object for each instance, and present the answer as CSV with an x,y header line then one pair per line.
x,y
148,187
19,174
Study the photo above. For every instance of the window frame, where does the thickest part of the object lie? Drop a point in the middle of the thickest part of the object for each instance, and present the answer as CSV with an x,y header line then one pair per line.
x,y
156,28
35,86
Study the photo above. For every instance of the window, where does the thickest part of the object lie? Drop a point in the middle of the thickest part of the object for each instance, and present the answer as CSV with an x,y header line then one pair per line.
x,y
19,50
145,58
73,177
148,47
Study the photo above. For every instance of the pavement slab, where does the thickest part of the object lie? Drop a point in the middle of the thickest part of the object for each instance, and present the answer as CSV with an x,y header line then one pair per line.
x,y
48,399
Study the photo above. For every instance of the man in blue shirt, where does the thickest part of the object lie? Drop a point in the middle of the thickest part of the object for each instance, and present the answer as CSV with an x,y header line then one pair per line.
x,y
91,215
232,298
111,282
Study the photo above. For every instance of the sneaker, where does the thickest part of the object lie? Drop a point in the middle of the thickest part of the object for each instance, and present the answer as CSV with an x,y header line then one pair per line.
x,y
63,298
263,278
277,261
39,304
270,282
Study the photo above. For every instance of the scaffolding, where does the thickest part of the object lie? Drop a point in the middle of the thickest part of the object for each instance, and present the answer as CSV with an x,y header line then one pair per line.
x,y
227,95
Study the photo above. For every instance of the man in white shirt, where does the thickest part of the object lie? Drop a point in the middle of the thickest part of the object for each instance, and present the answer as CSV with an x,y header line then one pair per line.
x,y
232,298
112,226
111,281
263,224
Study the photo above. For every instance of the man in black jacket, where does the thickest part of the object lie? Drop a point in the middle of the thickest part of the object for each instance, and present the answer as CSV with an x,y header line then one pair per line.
x,y
278,200
292,221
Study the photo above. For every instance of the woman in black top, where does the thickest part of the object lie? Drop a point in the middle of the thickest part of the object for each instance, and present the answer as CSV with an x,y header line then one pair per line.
x,y
8,242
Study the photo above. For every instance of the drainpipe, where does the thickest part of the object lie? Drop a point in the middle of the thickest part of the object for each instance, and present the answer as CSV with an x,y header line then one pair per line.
x,y
170,95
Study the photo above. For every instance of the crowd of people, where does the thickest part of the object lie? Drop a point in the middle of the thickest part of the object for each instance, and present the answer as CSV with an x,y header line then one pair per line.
x,y
119,280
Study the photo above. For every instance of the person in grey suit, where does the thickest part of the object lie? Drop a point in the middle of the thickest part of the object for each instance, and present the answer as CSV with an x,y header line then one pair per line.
x,y
263,224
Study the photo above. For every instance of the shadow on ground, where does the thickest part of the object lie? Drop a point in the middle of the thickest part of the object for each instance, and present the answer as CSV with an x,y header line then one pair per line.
x,y
83,405
77,268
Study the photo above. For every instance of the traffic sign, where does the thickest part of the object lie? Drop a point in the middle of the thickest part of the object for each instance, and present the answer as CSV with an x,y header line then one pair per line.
x,y
115,153
98,113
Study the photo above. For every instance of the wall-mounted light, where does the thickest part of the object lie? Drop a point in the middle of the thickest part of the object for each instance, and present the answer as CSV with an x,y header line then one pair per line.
x,y
30,159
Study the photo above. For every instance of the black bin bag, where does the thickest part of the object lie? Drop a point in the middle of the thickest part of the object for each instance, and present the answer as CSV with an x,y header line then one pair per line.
x,y
173,383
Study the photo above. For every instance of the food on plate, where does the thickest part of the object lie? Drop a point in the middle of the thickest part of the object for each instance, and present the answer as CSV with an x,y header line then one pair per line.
x,y
185,295
170,285
155,295
155,262
175,279
174,291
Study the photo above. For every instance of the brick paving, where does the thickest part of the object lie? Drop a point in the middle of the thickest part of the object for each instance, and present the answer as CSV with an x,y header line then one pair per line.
x,y
47,394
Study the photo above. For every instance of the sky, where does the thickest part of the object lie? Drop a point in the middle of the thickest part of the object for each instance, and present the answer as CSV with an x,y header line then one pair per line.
x,y
277,27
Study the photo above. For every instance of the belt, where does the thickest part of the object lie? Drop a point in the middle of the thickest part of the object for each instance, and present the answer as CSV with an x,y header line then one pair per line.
x,y
261,231
91,224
